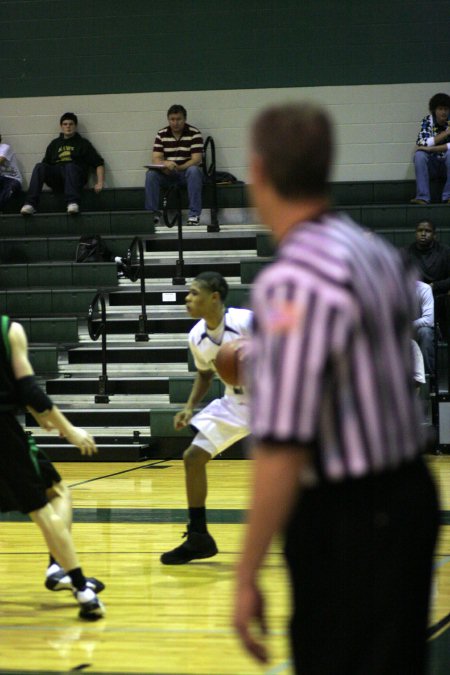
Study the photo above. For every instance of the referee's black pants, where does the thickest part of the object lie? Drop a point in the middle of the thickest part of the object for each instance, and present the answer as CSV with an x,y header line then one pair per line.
x,y
360,558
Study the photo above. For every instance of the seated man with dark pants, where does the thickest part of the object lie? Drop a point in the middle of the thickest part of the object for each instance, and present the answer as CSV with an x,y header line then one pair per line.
x,y
179,148
432,259
65,167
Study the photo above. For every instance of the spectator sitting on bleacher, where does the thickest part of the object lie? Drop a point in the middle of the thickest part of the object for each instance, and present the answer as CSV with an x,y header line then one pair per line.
x,y
424,325
432,155
10,176
431,257
178,148
65,167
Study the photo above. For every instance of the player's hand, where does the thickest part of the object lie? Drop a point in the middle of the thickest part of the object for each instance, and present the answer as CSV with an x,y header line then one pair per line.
x,y
182,418
248,608
84,441
98,187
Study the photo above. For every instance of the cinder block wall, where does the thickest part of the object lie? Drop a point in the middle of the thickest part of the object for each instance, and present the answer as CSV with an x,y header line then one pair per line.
x,y
119,66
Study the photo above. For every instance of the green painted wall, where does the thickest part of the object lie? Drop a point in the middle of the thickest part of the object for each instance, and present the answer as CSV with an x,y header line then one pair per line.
x,y
52,47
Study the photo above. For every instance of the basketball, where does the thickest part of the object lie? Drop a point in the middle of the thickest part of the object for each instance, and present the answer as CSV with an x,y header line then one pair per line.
x,y
230,361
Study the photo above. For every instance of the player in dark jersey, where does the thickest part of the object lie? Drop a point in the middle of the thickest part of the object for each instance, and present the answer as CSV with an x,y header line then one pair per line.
x,y
29,482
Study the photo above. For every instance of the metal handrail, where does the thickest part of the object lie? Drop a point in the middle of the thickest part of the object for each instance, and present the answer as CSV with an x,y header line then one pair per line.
x,y
210,173
94,333
179,278
135,272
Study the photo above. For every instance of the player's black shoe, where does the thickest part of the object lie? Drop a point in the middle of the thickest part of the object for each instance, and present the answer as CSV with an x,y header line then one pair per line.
x,y
91,608
197,546
59,580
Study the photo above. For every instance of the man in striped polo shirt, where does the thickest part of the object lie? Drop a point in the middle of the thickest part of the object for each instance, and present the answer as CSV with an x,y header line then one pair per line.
x,y
178,149
337,428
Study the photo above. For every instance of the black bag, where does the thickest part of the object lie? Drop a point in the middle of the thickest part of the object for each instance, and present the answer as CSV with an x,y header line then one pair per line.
x,y
92,248
225,178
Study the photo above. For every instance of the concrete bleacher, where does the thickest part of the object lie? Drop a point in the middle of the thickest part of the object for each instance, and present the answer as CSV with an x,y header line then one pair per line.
x,y
50,294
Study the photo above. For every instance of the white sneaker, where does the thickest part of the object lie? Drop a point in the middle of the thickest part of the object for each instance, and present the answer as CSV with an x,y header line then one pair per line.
x,y
27,210
91,608
73,208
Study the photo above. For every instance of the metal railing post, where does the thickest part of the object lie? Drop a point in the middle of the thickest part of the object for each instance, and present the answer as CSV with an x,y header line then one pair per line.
x,y
133,274
103,384
179,278
210,173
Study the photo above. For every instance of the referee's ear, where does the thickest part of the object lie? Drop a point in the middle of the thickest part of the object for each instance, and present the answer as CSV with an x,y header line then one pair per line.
x,y
258,174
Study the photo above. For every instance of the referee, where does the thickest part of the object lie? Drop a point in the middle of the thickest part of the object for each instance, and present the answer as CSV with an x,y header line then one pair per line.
x,y
337,427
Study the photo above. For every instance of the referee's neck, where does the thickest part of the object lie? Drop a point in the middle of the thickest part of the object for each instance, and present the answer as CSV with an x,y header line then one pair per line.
x,y
289,214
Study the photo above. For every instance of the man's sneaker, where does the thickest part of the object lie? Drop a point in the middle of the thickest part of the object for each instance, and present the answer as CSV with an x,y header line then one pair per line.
x,y
58,580
27,210
91,608
193,220
197,546
422,202
156,217
72,209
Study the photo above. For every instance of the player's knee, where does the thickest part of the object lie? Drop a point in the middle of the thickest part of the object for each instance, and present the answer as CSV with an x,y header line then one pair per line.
x,y
47,519
195,457
60,490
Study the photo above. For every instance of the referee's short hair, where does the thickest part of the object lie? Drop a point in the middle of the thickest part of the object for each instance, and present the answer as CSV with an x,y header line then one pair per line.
x,y
214,282
295,142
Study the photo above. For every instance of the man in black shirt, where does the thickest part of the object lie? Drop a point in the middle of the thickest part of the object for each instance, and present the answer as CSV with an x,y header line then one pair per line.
x,y
65,167
432,258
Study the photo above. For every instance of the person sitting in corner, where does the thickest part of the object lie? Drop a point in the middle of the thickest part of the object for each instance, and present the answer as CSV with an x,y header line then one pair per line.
x,y
432,155
10,176
424,325
178,148
65,168
432,259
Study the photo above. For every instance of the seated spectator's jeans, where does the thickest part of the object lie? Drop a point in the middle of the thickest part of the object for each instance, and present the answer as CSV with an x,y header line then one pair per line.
x,y
65,177
8,186
425,339
192,178
429,165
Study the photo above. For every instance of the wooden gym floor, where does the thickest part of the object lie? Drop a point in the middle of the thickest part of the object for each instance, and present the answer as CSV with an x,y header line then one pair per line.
x,y
160,620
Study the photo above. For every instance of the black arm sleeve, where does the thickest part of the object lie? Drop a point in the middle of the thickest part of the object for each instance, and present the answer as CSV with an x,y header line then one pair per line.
x,y
30,393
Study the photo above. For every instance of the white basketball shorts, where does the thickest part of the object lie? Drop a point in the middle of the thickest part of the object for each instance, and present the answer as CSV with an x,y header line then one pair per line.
x,y
220,424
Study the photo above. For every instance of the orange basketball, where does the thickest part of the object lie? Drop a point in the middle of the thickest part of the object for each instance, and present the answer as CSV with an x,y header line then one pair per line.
x,y
229,362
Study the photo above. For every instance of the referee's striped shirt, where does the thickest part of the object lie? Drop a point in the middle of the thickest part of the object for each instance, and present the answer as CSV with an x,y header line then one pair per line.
x,y
332,356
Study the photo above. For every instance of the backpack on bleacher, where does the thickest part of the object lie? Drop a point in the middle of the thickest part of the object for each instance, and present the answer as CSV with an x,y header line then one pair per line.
x,y
92,248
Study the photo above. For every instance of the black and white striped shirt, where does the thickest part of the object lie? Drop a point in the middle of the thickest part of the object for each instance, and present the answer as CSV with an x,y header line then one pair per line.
x,y
332,358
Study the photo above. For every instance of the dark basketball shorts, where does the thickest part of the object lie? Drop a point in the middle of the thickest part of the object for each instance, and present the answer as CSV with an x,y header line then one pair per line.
x,y
25,471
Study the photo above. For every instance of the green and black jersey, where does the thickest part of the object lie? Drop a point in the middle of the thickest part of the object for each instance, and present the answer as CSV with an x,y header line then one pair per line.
x,y
9,398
